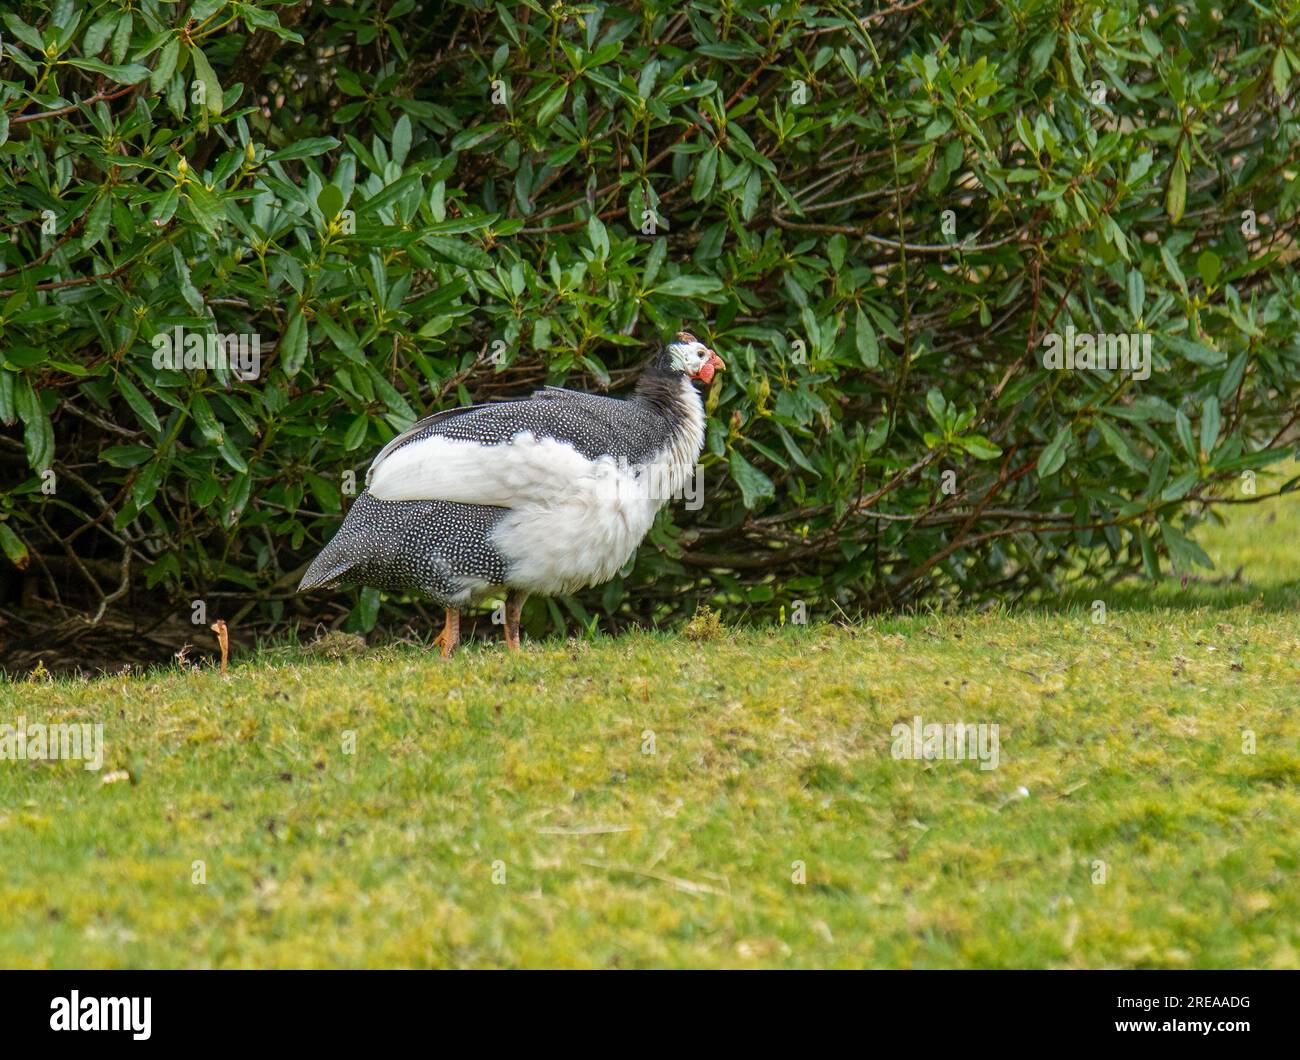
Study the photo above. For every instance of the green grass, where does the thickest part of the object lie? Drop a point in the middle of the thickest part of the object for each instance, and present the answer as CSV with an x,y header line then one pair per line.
x,y
772,747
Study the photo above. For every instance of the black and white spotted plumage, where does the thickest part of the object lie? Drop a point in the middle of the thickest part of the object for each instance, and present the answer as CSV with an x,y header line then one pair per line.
x,y
595,426
429,547
545,494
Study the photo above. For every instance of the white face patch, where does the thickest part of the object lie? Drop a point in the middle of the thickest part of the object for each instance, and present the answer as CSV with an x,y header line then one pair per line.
x,y
688,356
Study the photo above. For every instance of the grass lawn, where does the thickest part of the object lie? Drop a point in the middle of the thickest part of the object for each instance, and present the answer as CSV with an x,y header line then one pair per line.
x,y
504,811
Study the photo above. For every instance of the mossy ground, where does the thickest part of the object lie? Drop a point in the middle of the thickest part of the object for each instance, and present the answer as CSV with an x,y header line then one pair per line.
x,y
505,810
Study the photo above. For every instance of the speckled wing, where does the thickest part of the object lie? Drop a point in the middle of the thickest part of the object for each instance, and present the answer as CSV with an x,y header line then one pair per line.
x,y
513,454
418,429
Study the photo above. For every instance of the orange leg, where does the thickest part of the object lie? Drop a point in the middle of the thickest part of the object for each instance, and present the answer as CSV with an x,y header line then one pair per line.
x,y
514,608
450,635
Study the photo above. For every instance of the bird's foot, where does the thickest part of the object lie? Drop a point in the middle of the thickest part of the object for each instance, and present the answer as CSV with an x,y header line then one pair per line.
x,y
449,638
514,608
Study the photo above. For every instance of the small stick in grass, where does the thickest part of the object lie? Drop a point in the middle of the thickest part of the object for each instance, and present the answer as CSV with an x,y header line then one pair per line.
x,y
223,638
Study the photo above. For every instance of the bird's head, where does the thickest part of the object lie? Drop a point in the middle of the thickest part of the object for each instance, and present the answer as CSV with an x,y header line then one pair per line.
x,y
688,354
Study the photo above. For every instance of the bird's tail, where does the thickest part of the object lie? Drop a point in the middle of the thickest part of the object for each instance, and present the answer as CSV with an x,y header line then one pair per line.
x,y
325,570
350,550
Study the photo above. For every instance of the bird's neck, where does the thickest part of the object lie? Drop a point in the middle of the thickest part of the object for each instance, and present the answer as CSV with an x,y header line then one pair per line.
x,y
673,396
670,394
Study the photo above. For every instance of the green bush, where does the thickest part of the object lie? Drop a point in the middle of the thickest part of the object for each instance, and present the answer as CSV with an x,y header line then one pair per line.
x,y
874,217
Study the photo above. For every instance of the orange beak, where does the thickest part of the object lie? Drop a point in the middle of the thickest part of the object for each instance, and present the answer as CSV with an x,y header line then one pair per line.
x,y
709,367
